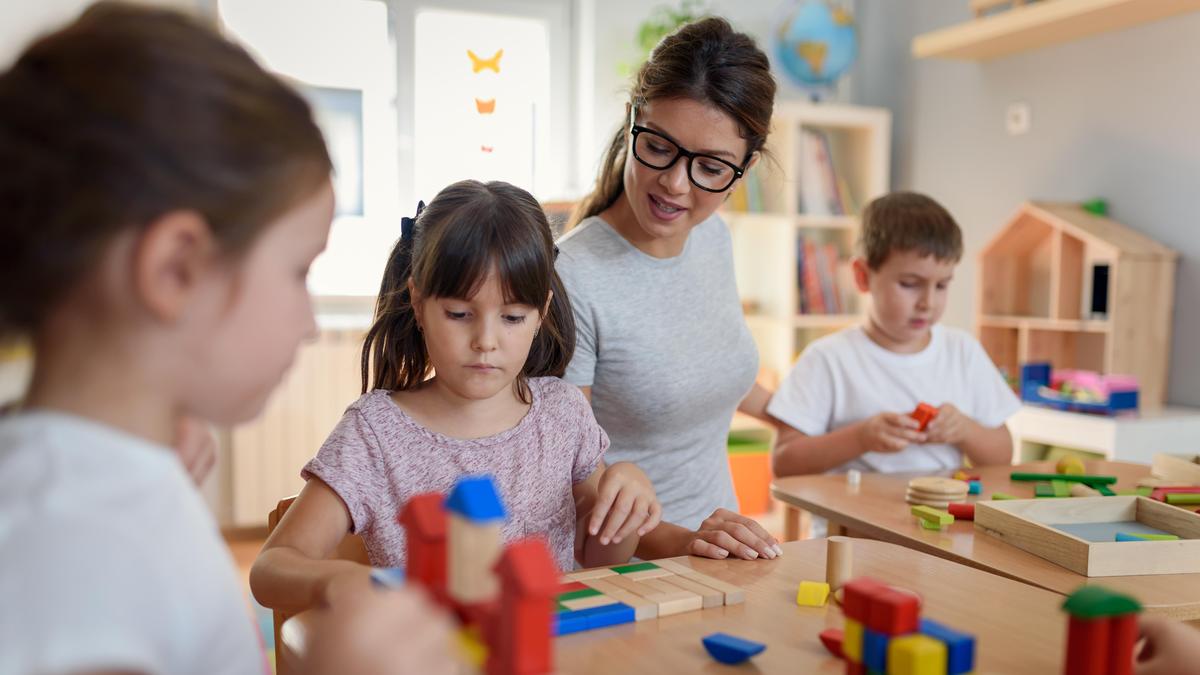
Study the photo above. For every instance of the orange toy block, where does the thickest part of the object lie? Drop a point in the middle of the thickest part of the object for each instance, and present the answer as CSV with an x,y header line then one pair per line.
x,y
924,414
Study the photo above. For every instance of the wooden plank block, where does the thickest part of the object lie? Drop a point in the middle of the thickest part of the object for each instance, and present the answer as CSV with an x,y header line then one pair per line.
x,y
638,588
648,574
584,575
711,597
733,594
643,609
684,602
1182,468
588,602
669,600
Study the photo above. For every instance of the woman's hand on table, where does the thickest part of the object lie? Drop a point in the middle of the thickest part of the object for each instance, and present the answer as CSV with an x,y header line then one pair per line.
x,y
725,534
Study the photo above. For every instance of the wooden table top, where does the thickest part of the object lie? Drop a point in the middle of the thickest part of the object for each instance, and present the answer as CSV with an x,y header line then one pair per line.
x,y
877,510
1018,628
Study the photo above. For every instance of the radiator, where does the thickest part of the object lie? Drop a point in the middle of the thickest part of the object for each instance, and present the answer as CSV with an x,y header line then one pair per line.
x,y
267,454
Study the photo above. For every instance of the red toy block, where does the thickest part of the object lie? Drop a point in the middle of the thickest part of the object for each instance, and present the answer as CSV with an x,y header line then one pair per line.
x,y
855,668
1087,646
894,612
832,639
572,586
521,643
924,414
856,596
1123,633
962,510
424,521
1160,494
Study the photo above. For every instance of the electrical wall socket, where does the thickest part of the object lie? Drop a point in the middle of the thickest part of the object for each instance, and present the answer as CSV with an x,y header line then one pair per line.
x,y
1018,118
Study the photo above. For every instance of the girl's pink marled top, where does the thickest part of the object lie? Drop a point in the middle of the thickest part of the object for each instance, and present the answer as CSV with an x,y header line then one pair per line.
x,y
377,457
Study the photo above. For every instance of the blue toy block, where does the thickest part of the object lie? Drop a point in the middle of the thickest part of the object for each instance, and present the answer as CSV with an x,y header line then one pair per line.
x,y
875,647
974,487
960,647
475,498
387,577
566,623
729,649
609,615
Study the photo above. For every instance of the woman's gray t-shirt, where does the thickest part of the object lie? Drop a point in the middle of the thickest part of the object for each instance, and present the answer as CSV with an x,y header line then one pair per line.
x,y
665,348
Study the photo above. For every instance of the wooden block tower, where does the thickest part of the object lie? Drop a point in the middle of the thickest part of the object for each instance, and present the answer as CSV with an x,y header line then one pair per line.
x,y
476,514
1101,632
529,584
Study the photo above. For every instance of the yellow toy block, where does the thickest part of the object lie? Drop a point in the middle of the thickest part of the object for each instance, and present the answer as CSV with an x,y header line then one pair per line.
x,y
470,647
812,594
852,641
1070,465
916,655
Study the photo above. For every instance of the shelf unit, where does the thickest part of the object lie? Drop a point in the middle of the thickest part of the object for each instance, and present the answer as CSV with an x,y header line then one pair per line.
x,y
766,242
1063,285
1041,24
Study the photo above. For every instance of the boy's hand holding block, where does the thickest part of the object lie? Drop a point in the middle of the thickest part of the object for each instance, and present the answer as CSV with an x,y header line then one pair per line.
x,y
923,414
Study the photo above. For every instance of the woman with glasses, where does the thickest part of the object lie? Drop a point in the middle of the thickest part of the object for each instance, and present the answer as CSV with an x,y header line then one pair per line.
x,y
662,348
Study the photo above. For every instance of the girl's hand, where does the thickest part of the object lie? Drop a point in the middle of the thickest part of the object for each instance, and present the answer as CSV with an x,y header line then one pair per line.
x,y
951,426
196,443
726,532
625,503
890,432
1170,648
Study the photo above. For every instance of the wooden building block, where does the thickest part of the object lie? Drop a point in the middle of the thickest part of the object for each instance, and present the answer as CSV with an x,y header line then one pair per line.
x,y
932,515
812,594
960,647
648,574
839,558
643,608
852,641
832,639
584,575
733,594
962,511
634,567
924,414
473,550
894,612
916,655
1081,490
710,597
598,600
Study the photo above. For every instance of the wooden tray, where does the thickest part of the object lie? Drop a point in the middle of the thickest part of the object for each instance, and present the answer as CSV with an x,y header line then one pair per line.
x,y
1031,525
1185,469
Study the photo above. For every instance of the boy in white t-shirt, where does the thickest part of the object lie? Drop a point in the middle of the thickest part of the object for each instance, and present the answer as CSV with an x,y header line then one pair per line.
x,y
846,403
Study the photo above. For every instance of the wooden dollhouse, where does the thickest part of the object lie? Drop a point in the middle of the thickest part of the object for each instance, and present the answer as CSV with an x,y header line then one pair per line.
x,y
1064,285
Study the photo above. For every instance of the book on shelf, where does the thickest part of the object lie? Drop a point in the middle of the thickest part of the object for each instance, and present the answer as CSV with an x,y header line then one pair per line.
x,y
823,278
823,192
747,194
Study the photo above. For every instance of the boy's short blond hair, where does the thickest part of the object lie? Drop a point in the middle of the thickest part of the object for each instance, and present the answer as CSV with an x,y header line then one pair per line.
x,y
908,221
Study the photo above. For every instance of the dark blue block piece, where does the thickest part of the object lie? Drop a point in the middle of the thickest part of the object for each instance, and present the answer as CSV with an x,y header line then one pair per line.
x,y
729,649
609,615
875,646
960,647
566,623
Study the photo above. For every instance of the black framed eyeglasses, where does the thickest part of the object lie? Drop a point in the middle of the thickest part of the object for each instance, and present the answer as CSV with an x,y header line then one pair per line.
x,y
711,174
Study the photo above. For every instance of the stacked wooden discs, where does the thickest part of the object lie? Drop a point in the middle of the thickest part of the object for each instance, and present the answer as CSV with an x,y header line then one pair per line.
x,y
936,491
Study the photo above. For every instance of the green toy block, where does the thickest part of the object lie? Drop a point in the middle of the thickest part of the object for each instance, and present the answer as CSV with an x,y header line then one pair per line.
x,y
1098,206
1132,492
1095,602
1043,490
1182,498
928,513
930,524
1085,479
1104,490
1145,491
1061,488
1126,536
1002,495
581,593
634,567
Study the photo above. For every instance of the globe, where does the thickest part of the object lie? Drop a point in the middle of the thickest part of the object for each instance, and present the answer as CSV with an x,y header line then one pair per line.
x,y
816,43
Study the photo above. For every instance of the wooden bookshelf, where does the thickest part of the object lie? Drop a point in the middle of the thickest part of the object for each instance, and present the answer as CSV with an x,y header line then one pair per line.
x,y
1041,24
766,242
1060,284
